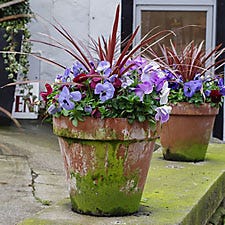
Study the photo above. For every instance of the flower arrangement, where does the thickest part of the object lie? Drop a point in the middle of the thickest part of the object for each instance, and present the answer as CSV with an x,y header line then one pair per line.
x,y
137,94
189,74
112,85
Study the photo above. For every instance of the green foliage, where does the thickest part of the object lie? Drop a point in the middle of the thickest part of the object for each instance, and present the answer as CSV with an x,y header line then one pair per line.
x,y
124,104
13,19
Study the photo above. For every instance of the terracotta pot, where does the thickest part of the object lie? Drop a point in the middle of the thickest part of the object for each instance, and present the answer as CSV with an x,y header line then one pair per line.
x,y
186,135
106,163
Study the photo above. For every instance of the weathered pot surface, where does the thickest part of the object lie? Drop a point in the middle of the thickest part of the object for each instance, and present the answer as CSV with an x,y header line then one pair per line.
x,y
106,177
186,135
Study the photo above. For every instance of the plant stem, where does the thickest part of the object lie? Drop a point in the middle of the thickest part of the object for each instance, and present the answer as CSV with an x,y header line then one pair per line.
x,y
3,5
14,17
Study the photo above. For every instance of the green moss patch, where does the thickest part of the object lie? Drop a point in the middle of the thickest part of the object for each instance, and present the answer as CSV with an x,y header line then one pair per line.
x,y
105,190
36,221
189,153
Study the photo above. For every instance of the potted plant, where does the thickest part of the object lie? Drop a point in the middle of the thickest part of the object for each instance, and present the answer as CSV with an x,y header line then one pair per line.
x,y
104,111
14,33
195,94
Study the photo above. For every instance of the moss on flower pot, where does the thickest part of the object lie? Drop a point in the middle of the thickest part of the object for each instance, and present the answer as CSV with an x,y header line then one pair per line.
x,y
106,174
186,135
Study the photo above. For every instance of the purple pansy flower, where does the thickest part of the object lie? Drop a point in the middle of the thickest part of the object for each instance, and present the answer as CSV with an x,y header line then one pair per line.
x,y
221,86
138,64
112,78
191,87
65,77
88,109
126,81
104,68
174,81
162,113
66,99
142,89
150,67
220,82
169,75
207,93
106,91
140,61
52,109
78,68
156,77
222,91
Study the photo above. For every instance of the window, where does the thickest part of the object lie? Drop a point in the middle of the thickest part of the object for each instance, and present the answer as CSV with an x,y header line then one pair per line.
x,y
190,20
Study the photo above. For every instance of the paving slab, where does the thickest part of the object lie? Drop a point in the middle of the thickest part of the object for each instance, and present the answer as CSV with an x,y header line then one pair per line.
x,y
31,171
16,199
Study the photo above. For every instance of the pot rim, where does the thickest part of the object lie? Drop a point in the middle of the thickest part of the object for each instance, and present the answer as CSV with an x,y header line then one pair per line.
x,y
185,108
103,129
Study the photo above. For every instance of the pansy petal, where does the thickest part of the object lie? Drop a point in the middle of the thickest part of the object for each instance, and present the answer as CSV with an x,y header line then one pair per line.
x,y
99,88
76,96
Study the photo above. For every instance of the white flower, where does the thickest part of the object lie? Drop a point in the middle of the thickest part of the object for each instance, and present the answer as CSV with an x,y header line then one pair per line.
x,y
162,113
164,93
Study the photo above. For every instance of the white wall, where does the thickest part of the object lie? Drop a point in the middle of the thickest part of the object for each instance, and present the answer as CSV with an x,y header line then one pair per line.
x,y
82,18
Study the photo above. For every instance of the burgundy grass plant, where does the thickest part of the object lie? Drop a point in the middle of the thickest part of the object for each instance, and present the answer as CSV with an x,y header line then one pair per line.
x,y
191,73
107,83
106,49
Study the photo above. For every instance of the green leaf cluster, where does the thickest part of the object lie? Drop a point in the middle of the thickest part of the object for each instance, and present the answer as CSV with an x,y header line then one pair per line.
x,y
13,26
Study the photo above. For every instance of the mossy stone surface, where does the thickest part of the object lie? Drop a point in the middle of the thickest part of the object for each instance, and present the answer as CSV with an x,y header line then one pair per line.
x,y
181,193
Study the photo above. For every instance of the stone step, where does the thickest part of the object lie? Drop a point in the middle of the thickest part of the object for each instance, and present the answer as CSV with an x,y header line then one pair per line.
x,y
175,193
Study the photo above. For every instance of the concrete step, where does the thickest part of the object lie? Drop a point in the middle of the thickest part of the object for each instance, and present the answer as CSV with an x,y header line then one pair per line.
x,y
175,193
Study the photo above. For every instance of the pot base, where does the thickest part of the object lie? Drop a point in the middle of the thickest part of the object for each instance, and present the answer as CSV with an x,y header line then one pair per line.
x,y
181,156
110,205
186,135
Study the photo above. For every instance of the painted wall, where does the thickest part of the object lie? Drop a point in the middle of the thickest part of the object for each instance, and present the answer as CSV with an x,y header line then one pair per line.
x,y
82,18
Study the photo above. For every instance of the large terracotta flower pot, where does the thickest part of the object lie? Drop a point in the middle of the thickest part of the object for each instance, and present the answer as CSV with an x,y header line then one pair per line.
x,y
106,163
186,135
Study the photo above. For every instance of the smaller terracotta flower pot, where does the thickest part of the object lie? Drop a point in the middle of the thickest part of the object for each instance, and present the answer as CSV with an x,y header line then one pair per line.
x,y
106,163
186,135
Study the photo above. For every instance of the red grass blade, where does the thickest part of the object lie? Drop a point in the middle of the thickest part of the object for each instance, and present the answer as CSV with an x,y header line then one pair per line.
x,y
112,40
126,48
100,51
68,37
48,60
138,46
